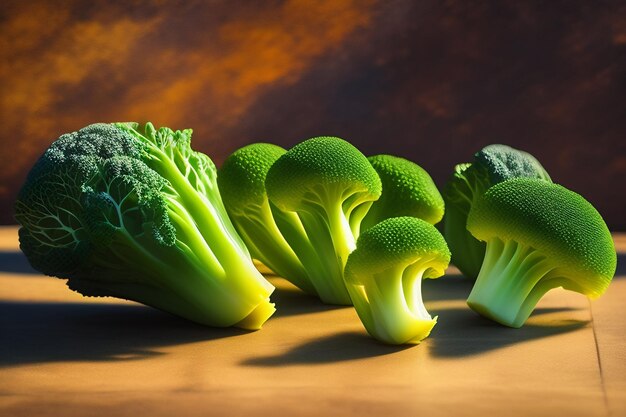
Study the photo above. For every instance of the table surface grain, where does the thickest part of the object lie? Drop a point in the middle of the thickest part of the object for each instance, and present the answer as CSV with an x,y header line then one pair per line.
x,y
62,354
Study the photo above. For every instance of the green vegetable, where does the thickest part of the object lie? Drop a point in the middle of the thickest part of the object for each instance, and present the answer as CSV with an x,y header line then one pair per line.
x,y
408,190
492,165
136,213
384,273
539,236
331,186
242,184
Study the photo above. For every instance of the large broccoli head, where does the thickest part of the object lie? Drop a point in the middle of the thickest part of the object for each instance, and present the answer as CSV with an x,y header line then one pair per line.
x,y
136,214
330,185
492,165
539,236
384,273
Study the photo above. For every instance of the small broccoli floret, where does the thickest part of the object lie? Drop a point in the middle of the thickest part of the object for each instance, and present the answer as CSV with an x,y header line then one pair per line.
x,y
408,190
384,273
492,165
242,183
330,185
137,214
539,236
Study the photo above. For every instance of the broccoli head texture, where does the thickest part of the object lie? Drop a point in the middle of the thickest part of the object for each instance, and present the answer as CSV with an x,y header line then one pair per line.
x,y
135,213
539,236
383,276
492,165
408,190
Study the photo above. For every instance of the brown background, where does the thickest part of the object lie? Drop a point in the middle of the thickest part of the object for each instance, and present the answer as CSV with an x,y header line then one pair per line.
x,y
432,81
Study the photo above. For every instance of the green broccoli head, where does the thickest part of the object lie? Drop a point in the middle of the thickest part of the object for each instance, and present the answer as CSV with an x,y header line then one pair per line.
x,y
242,183
136,214
383,276
539,236
330,185
501,162
242,176
408,190
492,165
322,172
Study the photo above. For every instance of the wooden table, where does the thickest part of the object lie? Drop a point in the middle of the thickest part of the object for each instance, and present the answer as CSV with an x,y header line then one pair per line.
x,y
65,355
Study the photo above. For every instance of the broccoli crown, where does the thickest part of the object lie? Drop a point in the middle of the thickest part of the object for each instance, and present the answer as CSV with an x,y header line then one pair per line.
x,y
408,190
501,162
399,241
324,168
125,212
68,202
242,176
560,223
492,165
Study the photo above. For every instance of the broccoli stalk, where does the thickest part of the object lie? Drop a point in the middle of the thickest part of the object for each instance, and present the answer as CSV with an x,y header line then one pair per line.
x,y
329,185
467,251
539,236
384,274
515,278
136,214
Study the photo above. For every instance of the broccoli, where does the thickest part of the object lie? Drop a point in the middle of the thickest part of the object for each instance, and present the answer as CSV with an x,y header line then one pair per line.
x,y
330,185
539,236
383,276
492,165
136,213
242,184
408,190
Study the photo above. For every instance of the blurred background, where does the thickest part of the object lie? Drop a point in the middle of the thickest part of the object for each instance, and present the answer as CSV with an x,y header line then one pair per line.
x,y
433,81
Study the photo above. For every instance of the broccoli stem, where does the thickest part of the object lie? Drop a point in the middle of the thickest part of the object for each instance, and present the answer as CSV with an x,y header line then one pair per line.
x,y
326,260
511,281
390,305
356,209
269,246
373,215
208,213
467,251
186,279
318,271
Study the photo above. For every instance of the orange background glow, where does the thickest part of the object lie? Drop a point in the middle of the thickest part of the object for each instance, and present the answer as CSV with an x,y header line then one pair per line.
x,y
431,81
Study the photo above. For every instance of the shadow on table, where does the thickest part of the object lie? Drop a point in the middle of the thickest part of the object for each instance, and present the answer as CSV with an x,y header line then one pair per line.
x,y
447,288
15,262
461,332
36,332
291,301
335,348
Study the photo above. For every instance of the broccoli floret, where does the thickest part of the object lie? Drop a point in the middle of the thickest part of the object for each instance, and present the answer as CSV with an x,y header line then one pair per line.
x,y
384,273
330,185
242,184
136,214
492,165
539,236
408,190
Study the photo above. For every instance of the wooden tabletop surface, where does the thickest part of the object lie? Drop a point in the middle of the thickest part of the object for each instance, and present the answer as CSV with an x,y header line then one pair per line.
x,y
65,355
